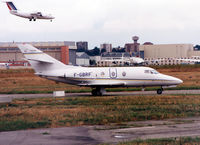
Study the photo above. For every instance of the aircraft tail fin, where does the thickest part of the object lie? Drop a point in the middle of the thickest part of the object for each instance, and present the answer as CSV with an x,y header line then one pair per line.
x,y
11,6
41,62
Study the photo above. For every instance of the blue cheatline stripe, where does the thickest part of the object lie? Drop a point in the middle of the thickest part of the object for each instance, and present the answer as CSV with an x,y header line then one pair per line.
x,y
118,79
12,6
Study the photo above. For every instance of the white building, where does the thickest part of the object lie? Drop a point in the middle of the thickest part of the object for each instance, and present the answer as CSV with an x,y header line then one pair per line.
x,y
118,59
168,54
167,50
82,59
107,47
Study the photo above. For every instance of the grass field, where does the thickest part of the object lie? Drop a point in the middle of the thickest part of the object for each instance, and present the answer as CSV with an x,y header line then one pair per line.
x,y
77,111
24,80
169,141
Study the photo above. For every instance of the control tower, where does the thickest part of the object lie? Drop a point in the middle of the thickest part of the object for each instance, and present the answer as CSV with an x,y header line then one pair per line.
x,y
136,44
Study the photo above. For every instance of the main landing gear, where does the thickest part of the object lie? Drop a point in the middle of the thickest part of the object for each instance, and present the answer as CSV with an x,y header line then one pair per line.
x,y
98,91
160,91
34,19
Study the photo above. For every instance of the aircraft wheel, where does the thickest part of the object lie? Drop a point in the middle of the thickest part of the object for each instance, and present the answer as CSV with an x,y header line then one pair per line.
x,y
30,19
94,92
159,91
34,19
99,93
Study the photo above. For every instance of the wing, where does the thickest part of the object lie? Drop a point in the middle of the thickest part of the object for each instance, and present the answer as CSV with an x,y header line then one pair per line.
x,y
103,84
36,14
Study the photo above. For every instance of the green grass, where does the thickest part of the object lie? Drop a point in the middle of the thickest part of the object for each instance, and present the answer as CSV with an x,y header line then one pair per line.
x,y
46,133
177,67
165,141
20,124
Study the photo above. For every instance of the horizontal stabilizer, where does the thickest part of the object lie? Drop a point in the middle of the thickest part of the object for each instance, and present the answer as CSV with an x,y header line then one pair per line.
x,y
28,49
42,60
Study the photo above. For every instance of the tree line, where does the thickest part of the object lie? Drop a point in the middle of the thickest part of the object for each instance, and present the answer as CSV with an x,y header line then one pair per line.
x,y
96,51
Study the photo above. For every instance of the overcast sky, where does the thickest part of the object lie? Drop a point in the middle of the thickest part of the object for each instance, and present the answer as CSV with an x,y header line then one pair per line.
x,y
100,21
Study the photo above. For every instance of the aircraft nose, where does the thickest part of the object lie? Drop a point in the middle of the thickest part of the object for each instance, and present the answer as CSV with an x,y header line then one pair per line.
x,y
178,81
173,80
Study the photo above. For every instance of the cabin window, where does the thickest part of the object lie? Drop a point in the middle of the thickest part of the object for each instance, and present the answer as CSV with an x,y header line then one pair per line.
x,y
124,74
102,74
151,72
113,74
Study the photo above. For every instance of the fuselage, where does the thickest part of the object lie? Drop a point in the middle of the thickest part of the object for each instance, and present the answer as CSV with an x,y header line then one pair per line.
x,y
31,16
112,77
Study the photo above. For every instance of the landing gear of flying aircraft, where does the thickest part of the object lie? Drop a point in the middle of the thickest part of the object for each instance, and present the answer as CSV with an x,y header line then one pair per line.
x,y
98,91
160,91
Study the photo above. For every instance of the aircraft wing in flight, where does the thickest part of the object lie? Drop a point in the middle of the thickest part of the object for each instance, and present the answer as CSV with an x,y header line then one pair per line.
x,y
37,14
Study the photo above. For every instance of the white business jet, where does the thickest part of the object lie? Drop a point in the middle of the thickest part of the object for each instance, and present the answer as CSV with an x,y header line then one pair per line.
x,y
97,78
31,16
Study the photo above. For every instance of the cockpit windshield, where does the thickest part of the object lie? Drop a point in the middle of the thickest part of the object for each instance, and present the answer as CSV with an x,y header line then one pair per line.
x,y
151,72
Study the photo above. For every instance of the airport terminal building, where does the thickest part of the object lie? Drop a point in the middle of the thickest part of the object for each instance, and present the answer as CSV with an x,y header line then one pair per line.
x,y
167,50
168,54
64,51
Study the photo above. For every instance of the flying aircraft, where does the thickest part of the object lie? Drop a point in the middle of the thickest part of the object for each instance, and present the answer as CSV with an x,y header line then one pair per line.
x,y
98,78
31,16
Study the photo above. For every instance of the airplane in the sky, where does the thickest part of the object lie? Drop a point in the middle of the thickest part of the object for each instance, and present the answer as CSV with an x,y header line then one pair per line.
x,y
31,16
98,78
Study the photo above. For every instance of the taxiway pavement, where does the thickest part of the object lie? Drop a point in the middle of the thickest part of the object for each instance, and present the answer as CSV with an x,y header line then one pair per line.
x,y
102,134
167,92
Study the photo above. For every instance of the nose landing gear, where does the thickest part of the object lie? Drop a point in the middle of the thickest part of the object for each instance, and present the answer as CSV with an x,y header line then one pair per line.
x,y
98,91
160,91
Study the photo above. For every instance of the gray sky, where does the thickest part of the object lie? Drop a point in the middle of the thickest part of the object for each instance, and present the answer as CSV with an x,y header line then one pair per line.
x,y
110,21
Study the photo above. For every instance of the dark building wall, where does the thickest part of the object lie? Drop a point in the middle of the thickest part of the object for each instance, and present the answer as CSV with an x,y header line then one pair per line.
x,y
82,45
72,57
142,54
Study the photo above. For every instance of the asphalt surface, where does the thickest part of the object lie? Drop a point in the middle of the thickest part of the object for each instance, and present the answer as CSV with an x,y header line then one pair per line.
x,y
92,135
20,96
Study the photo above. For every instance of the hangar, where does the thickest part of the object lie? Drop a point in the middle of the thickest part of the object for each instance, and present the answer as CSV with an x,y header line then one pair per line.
x,y
64,51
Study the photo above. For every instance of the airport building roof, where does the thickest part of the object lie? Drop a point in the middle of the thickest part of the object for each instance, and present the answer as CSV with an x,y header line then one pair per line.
x,y
71,44
115,54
